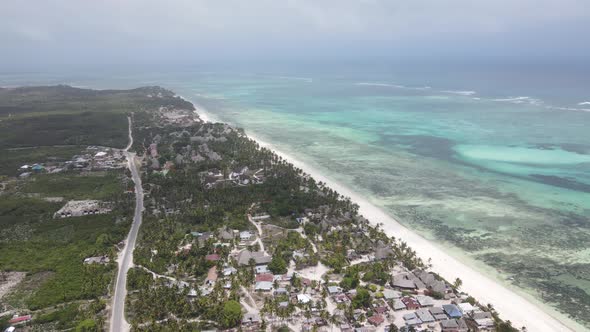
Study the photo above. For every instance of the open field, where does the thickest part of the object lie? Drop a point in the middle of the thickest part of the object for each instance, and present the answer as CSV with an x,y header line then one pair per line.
x,y
73,185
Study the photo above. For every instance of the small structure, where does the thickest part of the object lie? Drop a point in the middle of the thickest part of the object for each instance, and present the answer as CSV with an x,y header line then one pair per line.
x,y
97,260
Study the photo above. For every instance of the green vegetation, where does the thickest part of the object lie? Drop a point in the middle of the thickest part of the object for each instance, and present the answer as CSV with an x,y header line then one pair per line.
x,y
50,125
73,185
232,314
89,128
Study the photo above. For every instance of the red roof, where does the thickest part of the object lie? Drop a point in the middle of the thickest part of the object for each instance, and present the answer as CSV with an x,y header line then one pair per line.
x,y
381,310
265,277
376,320
20,319
212,257
410,302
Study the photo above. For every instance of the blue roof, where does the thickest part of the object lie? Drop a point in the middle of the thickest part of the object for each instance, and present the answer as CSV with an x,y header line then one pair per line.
x,y
452,310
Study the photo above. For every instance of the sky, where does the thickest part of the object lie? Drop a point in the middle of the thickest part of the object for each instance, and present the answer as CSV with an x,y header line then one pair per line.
x,y
51,32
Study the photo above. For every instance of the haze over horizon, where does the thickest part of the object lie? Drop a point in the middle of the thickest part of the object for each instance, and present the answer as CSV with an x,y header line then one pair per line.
x,y
67,32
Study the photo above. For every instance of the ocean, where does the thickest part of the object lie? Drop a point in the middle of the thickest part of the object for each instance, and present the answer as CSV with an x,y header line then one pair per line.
x,y
491,162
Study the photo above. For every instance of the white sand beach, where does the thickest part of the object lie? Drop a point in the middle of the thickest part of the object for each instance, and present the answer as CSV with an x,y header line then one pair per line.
x,y
510,305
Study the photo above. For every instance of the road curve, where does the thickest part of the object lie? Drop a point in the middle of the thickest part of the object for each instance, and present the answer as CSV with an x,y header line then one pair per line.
x,y
125,259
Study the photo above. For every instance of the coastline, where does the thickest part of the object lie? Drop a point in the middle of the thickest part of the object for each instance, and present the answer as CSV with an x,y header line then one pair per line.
x,y
521,309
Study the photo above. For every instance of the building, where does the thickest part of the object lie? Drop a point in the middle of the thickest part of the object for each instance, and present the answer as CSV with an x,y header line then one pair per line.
x,y
466,308
376,320
211,276
403,281
265,277
281,291
410,303
250,320
425,315
452,310
390,294
438,313
303,298
259,258
263,286
228,271
333,290
454,325
425,301
411,319
245,236
260,269
399,305
484,320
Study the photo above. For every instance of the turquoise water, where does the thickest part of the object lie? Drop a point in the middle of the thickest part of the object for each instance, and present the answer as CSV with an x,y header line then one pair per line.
x,y
471,163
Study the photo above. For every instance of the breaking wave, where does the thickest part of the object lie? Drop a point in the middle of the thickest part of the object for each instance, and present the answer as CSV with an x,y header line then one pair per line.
x,y
460,92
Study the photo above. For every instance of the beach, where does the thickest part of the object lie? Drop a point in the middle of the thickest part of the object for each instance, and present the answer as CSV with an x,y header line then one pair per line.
x,y
510,305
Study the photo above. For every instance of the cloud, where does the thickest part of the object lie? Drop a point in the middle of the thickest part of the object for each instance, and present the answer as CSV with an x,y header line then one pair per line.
x,y
204,28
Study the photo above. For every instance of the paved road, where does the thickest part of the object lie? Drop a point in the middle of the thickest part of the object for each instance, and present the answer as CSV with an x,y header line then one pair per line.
x,y
125,259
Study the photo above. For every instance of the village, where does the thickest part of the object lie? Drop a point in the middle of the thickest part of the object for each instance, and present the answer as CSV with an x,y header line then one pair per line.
x,y
308,297
322,268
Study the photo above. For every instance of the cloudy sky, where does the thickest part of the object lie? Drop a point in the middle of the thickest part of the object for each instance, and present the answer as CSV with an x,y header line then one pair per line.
x,y
152,31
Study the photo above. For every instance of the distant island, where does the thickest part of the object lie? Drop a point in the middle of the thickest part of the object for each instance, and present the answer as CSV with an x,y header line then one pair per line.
x,y
214,230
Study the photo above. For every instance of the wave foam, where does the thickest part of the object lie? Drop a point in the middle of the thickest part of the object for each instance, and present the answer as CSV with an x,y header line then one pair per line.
x,y
398,86
520,100
381,85
584,103
460,92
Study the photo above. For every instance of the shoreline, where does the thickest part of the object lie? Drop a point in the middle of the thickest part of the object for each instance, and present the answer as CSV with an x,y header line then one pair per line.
x,y
520,309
